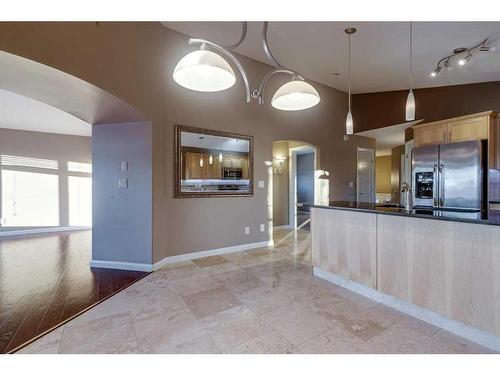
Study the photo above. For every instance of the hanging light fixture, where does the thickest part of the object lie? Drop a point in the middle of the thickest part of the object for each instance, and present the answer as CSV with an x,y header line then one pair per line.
x,y
210,159
207,71
201,161
410,100
349,125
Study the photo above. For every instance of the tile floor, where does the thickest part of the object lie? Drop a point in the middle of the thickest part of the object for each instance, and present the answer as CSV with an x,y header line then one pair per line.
x,y
258,301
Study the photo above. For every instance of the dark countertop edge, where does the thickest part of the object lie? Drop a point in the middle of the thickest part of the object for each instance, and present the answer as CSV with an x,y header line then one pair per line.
x,y
408,214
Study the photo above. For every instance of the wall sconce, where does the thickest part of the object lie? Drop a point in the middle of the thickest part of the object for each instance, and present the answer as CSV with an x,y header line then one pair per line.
x,y
280,159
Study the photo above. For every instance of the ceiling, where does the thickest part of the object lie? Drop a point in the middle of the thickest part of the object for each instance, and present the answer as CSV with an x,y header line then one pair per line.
x,y
380,50
213,142
388,137
23,113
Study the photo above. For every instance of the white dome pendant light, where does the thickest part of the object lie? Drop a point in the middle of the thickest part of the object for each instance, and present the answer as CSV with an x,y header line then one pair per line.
x,y
349,125
204,71
207,71
410,101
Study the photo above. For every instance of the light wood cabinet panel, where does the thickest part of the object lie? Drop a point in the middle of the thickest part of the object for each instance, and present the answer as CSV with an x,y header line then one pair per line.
x,y
468,130
344,243
430,135
447,267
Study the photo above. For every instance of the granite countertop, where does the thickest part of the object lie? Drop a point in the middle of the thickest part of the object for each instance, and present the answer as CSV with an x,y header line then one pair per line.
x,y
478,217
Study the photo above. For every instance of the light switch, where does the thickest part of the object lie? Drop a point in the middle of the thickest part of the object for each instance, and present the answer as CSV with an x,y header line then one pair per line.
x,y
124,165
260,184
262,227
123,183
247,230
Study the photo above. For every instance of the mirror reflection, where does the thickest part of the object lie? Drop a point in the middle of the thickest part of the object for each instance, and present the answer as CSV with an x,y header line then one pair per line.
x,y
213,163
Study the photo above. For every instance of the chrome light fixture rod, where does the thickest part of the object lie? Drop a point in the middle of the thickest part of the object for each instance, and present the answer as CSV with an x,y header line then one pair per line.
x,y
445,61
267,50
230,56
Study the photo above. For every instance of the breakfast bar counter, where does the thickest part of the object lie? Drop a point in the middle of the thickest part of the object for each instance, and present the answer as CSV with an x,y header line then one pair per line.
x,y
445,271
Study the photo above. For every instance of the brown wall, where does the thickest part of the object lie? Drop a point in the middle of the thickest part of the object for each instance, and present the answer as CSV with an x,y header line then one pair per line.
x,y
134,61
383,174
376,110
396,153
281,184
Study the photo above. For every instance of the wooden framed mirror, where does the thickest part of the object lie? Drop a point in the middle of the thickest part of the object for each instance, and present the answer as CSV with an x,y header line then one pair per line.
x,y
211,163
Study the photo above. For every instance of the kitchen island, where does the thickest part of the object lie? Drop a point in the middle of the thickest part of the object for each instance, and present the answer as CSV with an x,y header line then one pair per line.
x,y
441,268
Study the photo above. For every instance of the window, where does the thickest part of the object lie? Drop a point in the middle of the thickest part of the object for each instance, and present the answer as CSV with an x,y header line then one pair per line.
x,y
29,199
74,166
80,201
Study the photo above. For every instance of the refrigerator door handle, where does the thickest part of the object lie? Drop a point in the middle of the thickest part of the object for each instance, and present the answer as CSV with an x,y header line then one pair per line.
x,y
435,186
441,186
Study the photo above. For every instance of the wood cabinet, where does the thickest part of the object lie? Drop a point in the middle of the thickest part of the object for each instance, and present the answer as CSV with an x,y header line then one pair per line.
x,y
478,126
193,171
344,243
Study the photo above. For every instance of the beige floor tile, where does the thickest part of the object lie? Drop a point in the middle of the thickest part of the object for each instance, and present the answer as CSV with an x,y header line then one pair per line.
x,y
264,299
243,260
238,281
154,282
210,261
355,297
270,343
335,341
181,270
48,344
193,285
314,294
211,302
146,306
400,339
234,327
111,334
297,323
200,345
161,333
458,345
221,268
407,320
115,305
360,322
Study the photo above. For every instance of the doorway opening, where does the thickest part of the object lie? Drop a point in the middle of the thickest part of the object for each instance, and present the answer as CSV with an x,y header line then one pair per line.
x,y
366,175
296,185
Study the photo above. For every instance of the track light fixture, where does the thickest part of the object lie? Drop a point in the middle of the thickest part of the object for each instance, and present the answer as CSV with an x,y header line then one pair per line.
x,y
461,56
207,71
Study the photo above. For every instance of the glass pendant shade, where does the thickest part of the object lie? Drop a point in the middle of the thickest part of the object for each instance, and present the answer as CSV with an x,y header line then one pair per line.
x,y
205,71
220,157
410,106
201,162
295,96
210,159
349,124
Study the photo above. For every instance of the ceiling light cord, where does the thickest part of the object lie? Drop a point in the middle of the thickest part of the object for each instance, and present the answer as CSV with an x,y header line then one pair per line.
x,y
349,72
411,55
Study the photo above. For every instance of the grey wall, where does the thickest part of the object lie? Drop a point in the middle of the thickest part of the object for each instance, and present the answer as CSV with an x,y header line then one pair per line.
x,y
280,185
122,218
305,178
60,147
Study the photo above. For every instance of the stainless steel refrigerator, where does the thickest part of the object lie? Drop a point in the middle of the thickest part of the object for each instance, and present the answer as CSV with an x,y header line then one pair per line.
x,y
450,175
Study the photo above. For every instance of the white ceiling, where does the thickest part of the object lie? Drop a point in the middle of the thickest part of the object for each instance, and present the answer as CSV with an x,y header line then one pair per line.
x,y
380,50
213,142
388,137
23,113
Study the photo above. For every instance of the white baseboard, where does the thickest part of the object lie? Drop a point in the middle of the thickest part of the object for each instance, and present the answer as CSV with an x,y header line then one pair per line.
x,y
23,232
130,266
145,267
470,333
282,227
206,253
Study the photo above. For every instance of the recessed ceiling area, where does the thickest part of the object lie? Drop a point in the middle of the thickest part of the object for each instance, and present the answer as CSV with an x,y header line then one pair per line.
x,y
380,50
388,137
22,113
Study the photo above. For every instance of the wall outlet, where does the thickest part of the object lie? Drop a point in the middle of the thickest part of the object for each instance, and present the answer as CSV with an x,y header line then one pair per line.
x,y
262,227
247,230
123,183
261,184
124,165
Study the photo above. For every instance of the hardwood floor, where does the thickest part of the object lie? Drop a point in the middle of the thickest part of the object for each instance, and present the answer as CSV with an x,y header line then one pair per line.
x,y
46,279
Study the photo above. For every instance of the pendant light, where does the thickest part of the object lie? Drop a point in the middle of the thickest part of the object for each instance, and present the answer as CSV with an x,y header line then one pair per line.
x,y
207,70
410,101
201,161
348,121
220,157
210,159
204,71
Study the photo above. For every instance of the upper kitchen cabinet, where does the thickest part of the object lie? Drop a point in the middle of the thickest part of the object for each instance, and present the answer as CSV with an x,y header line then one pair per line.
x,y
477,126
